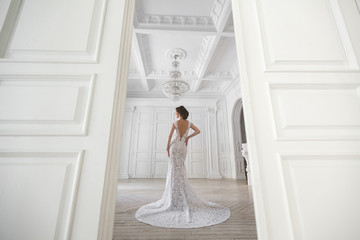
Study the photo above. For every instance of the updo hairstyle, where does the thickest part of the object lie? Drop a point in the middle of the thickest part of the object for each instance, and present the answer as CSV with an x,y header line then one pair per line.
x,y
183,112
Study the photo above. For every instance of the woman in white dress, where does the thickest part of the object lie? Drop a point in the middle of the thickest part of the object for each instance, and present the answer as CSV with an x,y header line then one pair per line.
x,y
179,206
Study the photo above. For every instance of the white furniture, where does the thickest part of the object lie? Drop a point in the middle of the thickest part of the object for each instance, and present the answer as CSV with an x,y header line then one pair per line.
x,y
244,151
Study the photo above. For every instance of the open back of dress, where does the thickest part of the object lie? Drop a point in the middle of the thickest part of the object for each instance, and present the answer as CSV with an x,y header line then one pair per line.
x,y
179,206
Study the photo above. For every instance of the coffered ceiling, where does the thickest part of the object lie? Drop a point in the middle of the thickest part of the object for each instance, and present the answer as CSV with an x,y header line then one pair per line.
x,y
203,28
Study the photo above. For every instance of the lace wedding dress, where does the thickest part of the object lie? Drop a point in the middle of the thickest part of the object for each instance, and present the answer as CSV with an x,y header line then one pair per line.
x,y
179,206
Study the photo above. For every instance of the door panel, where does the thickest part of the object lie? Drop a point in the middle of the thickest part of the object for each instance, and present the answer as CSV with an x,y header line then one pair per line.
x,y
196,152
300,86
152,128
55,38
142,144
30,114
161,134
58,70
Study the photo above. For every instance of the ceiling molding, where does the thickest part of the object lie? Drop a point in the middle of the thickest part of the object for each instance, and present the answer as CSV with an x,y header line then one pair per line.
x,y
234,84
220,13
164,74
203,95
219,76
138,8
134,75
157,30
235,70
139,61
203,21
212,72
146,102
208,49
136,13
208,46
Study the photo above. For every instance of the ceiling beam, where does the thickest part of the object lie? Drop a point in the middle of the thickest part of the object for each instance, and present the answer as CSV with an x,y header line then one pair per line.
x,y
156,31
210,44
221,16
207,51
201,95
139,61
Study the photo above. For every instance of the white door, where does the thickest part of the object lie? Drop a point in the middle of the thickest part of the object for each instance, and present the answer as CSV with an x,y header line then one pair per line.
x,y
58,69
143,143
151,131
299,64
197,154
162,126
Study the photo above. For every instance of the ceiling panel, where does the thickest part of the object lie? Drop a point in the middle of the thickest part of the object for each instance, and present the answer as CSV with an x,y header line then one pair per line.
x,y
210,64
224,57
176,7
133,68
159,44
135,85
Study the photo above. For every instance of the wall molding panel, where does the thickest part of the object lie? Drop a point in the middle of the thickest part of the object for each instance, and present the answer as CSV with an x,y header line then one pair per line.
x,y
41,186
299,113
338,172
76,44
146,130
284,43
45,105
299,70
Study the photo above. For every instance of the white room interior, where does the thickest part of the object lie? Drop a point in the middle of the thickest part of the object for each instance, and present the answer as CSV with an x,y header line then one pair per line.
x,y
74,72
205,33
203,37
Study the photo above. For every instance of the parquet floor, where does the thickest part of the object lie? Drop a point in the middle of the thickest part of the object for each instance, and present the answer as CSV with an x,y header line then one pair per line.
x,y
233,194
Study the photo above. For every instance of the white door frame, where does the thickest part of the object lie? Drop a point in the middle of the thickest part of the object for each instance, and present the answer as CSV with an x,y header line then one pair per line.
x,y
114,153
107,211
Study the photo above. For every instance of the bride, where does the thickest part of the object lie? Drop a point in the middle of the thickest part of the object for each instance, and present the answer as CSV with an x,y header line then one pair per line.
x,y
179,206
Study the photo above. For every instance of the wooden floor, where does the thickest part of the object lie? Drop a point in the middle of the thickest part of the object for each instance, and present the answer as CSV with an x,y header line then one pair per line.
x,y
233,194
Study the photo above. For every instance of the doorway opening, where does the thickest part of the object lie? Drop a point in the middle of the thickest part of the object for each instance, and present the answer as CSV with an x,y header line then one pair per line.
x,y
240,142
210,66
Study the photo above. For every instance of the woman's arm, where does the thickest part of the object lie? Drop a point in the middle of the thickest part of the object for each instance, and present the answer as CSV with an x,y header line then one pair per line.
x,y
197,131
169,139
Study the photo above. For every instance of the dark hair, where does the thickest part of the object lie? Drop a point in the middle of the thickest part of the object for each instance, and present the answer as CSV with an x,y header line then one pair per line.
x,y
183,112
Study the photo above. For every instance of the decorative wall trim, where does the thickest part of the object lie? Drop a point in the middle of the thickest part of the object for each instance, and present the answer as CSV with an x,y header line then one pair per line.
x,y
288,164
217,11
164,74
89,55
205,47
235,70
321,128
195,21
34,122
72,160
278,65
107,211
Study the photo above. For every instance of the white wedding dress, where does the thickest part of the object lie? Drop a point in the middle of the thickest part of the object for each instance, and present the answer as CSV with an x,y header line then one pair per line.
x,y
179,206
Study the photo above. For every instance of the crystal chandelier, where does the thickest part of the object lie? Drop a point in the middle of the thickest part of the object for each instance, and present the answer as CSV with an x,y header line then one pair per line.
x,y
175,88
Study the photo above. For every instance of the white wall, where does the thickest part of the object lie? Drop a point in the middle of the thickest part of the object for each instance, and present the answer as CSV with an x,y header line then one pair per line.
x,y
146,129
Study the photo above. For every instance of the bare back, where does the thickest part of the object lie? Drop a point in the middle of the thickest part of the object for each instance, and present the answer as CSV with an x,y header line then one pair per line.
x,y
182,126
